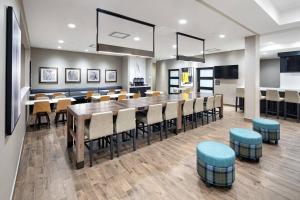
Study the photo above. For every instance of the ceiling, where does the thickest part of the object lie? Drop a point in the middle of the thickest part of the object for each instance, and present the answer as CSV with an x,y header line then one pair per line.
x,y
47,23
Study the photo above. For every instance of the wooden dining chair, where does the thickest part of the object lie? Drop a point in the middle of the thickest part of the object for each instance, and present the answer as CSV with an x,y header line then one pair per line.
x,y
100,127
156,93
136,95
122,97
61,109
170,117
41,109
111,92
42,98
104,98
58,95
88,96
39,95
123,91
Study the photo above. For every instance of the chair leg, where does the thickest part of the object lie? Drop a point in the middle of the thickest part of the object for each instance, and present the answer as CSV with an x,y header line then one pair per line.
x,y
111,145
118,144
160,130
207,117
267,108
298,112
285,110
149,128
132,133
175,122
236,101
91,143
184,123
166,128
195,119
192,119
48,120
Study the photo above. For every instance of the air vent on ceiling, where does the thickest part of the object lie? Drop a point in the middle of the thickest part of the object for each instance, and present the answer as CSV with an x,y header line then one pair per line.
x,y
119,35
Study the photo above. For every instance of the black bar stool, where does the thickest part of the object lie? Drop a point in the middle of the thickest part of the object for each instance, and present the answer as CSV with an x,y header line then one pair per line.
x,y
273,96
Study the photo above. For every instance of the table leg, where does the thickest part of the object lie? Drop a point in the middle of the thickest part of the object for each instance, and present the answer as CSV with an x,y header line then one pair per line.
x,y
79,143
221,108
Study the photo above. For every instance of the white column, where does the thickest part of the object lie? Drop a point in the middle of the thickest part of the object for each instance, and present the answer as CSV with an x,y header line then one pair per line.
x,y
252,73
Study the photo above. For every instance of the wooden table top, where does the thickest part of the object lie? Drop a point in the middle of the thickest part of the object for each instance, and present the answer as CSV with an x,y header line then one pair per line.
x,y
87,109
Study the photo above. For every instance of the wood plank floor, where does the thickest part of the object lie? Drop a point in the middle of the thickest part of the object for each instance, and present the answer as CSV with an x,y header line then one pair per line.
x,y
163,170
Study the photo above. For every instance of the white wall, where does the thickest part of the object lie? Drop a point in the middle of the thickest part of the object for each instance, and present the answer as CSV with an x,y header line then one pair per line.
x,y
68,59
290,81
10,146
226,87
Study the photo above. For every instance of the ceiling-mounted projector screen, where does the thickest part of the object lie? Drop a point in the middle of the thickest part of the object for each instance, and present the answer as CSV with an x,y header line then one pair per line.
x,y
190,48
124,35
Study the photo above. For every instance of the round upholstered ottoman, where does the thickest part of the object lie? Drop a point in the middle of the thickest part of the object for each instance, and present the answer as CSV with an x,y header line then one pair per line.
x,y
215,163
246,143
269,129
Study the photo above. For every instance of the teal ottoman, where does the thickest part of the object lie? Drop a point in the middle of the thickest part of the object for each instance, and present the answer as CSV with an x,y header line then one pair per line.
x,y
269,129
246,143
215,163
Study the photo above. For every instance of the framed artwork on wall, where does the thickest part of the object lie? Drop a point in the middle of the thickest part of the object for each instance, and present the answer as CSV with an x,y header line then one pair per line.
x,y
48,75
93,76
72,75
110,76
13,72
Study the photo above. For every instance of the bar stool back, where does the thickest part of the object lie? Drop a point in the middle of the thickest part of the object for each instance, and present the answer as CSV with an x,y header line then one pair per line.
x,y
273,96
292,97
198,109
210,108
125,123
105,98
101,126
188,113
170,116
240,93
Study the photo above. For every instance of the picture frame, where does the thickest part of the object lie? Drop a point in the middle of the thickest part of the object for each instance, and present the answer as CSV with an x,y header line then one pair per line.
x,y
48,75
72,75
93,75
13,72
111,76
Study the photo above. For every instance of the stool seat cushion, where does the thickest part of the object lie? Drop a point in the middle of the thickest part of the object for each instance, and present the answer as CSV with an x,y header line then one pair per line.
x,y
265,123
215,154
246,136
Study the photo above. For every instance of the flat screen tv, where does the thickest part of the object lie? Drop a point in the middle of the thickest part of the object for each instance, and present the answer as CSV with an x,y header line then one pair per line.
x,y
290,64
226,72
13,72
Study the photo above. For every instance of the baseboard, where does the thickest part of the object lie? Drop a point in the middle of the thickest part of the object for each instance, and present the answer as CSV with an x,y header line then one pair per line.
x,y
17,169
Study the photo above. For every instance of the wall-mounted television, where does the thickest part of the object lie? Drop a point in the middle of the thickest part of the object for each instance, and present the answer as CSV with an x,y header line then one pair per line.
x,y
226,72
290,64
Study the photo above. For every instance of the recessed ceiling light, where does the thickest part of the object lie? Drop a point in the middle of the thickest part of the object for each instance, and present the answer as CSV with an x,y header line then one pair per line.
x,y
265,53
59,47
222,36
72,26
174,46
60,41
182,21
86,50
136,39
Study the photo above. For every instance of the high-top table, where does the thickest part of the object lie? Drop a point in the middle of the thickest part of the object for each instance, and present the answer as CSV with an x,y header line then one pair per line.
x,y
78,114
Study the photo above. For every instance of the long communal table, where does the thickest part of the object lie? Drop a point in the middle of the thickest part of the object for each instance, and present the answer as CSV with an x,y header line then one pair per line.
x,y
78,114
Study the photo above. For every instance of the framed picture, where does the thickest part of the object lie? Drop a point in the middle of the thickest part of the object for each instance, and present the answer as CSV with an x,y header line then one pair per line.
x,y
110,76
93,76
13,72
72,75
48,75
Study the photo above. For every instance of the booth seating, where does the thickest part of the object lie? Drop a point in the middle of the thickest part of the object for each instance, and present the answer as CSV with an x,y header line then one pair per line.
x,y
269,129
273,96
240,94
216,163
292,97
246,143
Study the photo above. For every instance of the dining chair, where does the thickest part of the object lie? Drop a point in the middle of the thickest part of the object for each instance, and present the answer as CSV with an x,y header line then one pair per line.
x,y
218,105
125,125
88,96
136,95
170,117
122,97
42,98
292,97
58,95
156,93
39,95
198,110
105,98
188,113
210,109
100,127
273,96
61,109
240,94
111,92
123,91
41,109
152,119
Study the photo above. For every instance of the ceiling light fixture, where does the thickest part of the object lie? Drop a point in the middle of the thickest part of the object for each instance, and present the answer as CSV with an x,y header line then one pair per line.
x,y
60,41
59,47
71,26
222,36
136,39
174,46
182,21
86,50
